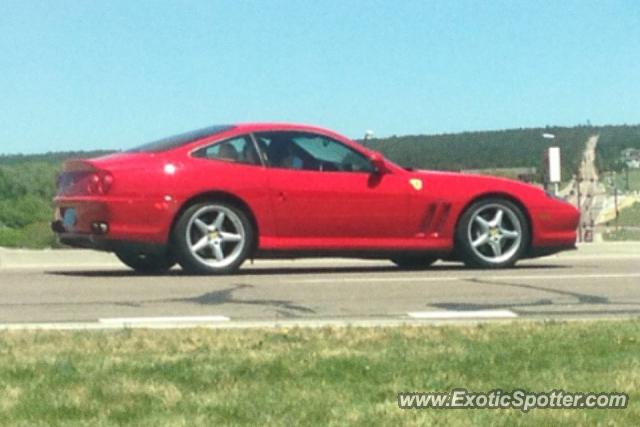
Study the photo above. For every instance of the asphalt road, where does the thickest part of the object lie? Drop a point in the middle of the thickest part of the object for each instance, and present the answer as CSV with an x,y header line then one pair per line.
x,y
598,280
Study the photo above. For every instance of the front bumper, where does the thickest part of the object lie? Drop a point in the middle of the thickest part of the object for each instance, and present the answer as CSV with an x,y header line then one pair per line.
x,y
554,227
536,252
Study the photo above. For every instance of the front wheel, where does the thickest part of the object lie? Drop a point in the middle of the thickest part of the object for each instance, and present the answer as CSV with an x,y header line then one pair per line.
x,y
212,238
146,263
492,233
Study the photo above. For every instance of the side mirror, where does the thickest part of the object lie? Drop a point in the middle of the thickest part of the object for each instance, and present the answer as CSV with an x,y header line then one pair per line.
x,y
378,162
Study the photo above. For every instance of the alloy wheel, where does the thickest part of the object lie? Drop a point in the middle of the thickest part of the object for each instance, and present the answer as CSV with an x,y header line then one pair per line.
x,y
494,233
215,236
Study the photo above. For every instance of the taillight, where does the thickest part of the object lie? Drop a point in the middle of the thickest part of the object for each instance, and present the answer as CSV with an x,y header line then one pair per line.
x,y
99,182
107,181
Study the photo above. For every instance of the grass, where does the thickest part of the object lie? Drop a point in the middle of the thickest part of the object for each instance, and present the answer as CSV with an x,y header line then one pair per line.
x,y
37,235
622,234
629,223
630,217
330,376
634,180
621,181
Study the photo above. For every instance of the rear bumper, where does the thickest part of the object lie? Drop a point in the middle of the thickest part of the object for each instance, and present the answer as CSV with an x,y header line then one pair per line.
x,y
100,243
145,220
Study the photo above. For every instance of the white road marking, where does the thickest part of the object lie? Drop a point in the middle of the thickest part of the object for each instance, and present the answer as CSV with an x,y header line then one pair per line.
x,y
79,326
159,320
582,257
460,278
478,314
568,276
256,324
375,279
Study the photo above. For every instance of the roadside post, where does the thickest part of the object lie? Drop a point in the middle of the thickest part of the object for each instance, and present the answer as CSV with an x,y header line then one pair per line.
x,y
554,168
552,164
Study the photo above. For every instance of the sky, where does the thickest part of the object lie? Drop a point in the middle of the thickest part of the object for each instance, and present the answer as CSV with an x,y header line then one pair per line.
x,y
82,75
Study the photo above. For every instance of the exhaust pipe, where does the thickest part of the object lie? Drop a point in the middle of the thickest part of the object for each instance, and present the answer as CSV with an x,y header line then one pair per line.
x,y
99,227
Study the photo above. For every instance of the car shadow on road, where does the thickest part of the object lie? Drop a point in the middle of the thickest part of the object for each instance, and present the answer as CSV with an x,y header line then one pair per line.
x,y
283,308
585,304
285,271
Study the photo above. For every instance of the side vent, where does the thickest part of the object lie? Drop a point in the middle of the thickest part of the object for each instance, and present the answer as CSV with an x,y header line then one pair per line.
x,y
436,216
443,215
429,216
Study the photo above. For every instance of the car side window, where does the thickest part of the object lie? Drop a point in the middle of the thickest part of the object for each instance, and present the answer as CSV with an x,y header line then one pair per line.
x,y
307,151
331,155
239,149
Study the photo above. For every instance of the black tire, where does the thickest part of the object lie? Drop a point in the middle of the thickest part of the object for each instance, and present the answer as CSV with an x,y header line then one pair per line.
x,y
413,262
146,263
198,262
485,255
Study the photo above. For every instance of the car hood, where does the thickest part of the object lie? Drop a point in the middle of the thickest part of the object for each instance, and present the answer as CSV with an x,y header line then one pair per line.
x,y
474,183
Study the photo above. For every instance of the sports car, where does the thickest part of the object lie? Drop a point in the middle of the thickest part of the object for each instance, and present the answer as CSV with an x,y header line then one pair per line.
x,y
212,198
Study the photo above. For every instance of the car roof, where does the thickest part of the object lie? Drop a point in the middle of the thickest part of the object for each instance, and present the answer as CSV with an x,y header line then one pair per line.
x,y
266,126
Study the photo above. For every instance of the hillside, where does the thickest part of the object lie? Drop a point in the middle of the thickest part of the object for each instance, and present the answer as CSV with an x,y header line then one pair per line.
x,y
27,182
614,139
507,148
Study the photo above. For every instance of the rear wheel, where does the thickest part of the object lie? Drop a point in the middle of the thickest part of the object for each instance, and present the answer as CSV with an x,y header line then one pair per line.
x,y
413,262
492,233
212,238
146,263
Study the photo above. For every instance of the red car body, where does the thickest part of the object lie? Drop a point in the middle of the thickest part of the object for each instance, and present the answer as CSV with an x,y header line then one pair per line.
x,y
133,199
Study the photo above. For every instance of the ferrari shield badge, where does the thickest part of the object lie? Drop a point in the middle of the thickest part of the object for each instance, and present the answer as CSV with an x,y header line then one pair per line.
x,y
416,183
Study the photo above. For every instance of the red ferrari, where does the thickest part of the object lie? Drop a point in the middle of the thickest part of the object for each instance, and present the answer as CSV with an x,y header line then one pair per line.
x,y
211,198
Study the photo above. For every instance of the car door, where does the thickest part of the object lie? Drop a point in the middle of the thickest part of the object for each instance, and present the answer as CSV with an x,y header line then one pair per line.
x,y
321,188
233,165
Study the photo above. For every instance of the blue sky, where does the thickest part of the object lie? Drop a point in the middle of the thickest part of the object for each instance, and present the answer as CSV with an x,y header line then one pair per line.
x,y
113,74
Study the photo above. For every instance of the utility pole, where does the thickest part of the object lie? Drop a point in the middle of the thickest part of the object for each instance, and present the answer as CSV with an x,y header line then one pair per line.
x,y
615,202
579,203
615,197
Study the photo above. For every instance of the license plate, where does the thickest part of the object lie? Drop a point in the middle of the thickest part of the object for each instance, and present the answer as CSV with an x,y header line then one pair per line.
x,y
69,217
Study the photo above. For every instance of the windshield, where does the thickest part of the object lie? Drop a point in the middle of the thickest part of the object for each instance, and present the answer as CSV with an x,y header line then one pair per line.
x,y
179,140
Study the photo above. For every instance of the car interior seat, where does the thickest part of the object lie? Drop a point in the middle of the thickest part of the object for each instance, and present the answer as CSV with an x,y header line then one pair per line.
x,y
249,154
228,152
